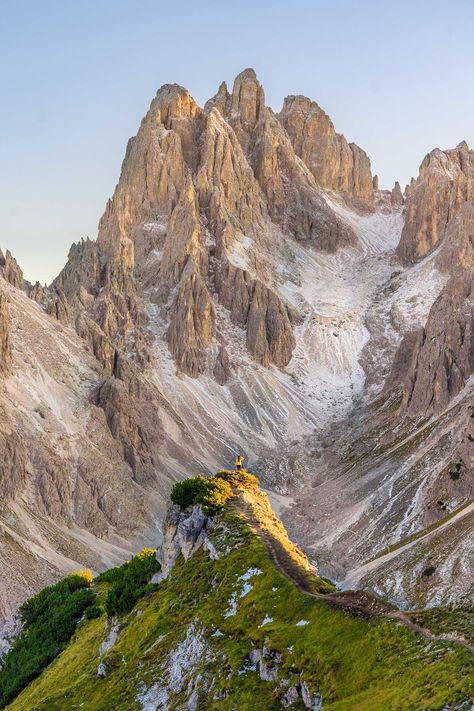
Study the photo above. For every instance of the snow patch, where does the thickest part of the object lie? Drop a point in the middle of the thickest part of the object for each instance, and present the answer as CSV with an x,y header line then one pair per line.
x,y
242,592
111,638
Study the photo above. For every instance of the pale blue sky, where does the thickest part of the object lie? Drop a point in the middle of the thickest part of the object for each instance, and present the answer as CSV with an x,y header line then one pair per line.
x,y
77,76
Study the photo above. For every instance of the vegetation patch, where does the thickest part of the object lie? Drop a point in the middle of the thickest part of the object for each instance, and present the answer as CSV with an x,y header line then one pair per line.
x,y
49,619
455,472
211,493
446,620
130,582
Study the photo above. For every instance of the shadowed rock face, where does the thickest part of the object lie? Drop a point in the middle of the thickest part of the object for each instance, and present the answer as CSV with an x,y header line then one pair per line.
x,y
265,317
5,342
442,355
445,183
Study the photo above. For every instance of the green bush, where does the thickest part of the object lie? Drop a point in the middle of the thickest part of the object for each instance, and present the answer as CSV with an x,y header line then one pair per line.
x,y
93,612
129,582
49,620
212,494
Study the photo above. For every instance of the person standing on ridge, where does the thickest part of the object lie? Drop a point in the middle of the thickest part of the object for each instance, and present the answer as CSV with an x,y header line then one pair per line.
x,y
239,460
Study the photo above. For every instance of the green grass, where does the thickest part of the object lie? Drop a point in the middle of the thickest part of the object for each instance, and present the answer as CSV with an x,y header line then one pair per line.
x,y
356,665
445,620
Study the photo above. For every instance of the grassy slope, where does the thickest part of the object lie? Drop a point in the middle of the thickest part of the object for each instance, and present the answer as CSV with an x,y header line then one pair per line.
x,y
357,665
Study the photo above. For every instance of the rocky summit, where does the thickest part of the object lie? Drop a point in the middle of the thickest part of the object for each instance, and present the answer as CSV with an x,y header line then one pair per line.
x,y
251,290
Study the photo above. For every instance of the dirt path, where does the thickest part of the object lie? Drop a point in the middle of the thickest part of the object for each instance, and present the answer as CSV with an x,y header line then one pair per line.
x,y
354,602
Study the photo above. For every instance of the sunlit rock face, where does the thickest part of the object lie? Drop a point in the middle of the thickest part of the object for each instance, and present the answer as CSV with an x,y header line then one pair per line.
x,y
334,163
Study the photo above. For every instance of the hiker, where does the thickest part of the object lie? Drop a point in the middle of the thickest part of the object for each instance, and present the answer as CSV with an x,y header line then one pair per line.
x,y
239,460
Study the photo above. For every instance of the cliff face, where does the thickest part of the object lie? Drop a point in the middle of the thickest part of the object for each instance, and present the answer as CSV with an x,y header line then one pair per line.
x,y
5,341
334,163
444,184
440,212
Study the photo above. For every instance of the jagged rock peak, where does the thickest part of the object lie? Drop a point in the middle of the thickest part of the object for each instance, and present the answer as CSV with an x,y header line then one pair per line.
x,y
445,182
173,101
10,269
334,163
396,195
248,98
219,101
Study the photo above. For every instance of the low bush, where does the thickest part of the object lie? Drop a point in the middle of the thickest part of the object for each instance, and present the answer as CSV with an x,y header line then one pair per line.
x,y
212,494
129,582
93,612
50,619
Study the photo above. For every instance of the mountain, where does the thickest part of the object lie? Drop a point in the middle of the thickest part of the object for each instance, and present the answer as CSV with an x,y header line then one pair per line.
x,y
251,290
238,618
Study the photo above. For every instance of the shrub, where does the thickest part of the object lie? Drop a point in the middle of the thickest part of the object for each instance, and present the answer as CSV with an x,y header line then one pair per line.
x,y
428,572
215,495
86,575
129,582
93,612
455,472
188,492
49,620
212,494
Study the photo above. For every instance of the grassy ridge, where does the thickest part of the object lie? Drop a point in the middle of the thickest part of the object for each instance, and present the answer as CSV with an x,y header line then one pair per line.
x,y
356,665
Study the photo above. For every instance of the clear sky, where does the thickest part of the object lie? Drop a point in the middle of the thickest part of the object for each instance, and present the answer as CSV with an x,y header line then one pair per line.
x,y
76,77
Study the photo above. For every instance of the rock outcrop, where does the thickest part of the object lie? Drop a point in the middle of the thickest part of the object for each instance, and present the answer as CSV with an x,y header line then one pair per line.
x,y
184,533
261,312
441,355
5,337
192,322
10,269
396,195
335,164
444,184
